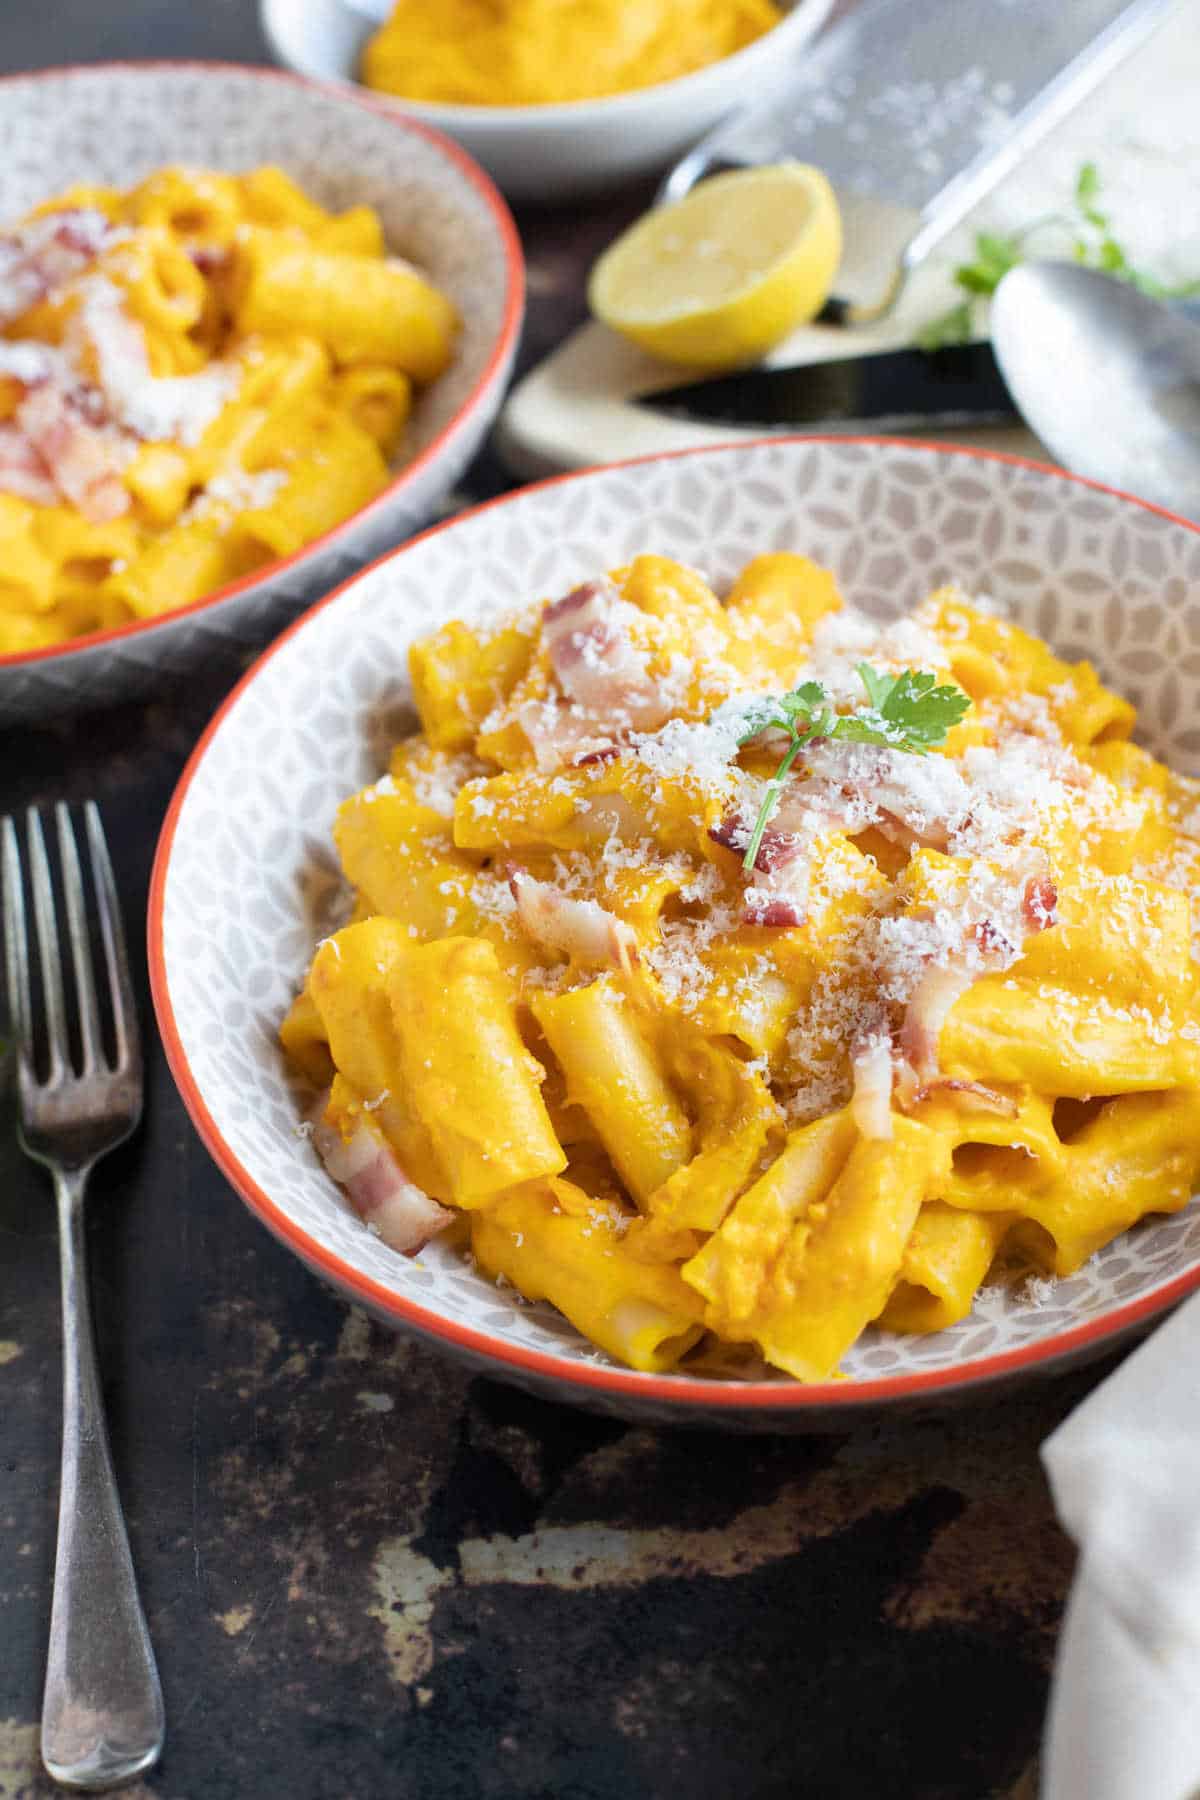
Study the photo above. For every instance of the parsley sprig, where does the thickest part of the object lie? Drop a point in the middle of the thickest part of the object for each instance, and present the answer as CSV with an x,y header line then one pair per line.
x,y
908,711
1088,228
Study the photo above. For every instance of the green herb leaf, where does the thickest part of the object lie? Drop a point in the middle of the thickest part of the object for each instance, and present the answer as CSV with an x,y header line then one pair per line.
x,y
914,707
1087,184
1088,236
908,712
878,686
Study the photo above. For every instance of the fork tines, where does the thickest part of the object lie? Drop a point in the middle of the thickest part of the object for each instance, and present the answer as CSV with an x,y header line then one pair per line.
x,y
58,1061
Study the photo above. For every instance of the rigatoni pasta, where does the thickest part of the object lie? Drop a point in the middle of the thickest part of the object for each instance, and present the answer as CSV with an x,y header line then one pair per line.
x,y
750,973
197,376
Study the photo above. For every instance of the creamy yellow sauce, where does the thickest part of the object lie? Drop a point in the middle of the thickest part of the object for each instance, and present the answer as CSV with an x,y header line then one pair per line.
x,y
537,52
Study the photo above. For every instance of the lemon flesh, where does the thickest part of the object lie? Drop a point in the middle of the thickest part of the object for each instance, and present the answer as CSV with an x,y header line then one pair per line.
x,y
723,274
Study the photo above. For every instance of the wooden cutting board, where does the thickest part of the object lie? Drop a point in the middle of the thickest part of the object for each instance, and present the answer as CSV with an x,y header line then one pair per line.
x,y
1142,130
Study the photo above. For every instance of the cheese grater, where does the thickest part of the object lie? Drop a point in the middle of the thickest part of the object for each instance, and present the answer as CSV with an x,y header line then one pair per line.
x,y
918,108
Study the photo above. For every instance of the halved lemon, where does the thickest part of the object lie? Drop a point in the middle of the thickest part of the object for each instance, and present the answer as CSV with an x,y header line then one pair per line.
x,y
720,276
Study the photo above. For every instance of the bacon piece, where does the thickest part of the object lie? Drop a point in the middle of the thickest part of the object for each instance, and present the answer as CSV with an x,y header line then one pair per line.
x,y
80,458
602,754
595,660
968,1096
778,845
39,256
779,848
731,832
935,993
1039,903
991,940
775,849
943,983
588,650
771,912
402,1214
896,830
558,734
871,1102
22,471
582,928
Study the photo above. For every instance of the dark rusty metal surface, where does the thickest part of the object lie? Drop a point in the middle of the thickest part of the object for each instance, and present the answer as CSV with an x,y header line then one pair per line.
x,y
369,1574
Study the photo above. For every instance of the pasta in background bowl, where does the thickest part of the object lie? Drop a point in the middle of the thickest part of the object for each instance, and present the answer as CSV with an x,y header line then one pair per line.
x,y
1096,574
291,168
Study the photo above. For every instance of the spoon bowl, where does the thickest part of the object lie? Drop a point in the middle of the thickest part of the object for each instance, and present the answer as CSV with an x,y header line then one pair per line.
x,y
1107,378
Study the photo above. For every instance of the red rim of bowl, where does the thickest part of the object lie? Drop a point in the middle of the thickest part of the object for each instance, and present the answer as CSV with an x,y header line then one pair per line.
x,y
503,349
682,1392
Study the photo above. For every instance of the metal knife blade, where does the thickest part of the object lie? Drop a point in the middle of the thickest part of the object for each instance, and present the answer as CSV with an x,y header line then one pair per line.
x,y
890,390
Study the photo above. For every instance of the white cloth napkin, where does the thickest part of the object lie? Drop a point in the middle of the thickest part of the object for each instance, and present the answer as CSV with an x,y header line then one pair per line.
x,y
1124,1720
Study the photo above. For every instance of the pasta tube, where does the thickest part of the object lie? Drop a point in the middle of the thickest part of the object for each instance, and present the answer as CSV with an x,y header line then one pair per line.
x,y
554,1242
945,1260
465,1071
614,1074
365,309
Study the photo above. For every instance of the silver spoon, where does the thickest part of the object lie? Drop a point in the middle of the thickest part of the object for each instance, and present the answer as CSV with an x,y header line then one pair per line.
x,y
1108,379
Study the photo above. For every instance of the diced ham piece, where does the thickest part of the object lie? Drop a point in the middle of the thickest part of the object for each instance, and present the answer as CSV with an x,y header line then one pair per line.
x,y
871,1102
38,257
402,1214
581,928
82,460
22,471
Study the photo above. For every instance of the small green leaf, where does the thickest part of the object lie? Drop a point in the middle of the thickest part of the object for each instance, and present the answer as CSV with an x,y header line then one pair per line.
x,y
1092,243
878,686
976,278
922,711
762,716
810,697
1087,184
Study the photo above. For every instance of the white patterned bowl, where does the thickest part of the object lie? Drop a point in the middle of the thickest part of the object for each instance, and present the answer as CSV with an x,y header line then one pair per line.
x,y
245,857
546,153
116,123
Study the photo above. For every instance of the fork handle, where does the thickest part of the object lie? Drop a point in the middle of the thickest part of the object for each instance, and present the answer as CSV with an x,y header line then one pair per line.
x,y
102,1711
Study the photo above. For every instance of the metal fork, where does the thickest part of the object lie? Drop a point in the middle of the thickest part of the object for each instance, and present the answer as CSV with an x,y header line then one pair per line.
x,y
102,1710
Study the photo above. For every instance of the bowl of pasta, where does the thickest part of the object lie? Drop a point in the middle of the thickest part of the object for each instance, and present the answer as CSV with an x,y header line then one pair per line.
x,y
729,958
251,332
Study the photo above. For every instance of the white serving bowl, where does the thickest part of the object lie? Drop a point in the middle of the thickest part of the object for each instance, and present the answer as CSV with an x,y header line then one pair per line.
x,y
553,152
246,855
115,123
